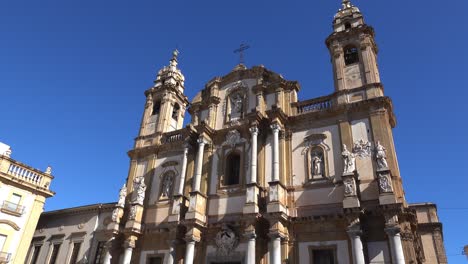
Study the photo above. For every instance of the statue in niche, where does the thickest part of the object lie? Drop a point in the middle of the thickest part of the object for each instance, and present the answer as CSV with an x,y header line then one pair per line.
x,y
317,163
115,214
236,106
140,188
167,185
122,195
380,156
132,214
348,160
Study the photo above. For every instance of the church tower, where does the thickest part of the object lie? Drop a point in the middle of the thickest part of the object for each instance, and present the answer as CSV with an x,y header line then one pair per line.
x,y
165,101
354,55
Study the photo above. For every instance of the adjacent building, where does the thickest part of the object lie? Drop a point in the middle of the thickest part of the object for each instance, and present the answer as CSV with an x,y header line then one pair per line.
x,y
259,176
23,191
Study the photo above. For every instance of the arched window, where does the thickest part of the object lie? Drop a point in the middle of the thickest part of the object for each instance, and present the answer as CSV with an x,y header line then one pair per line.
x,y
232,174
175,111
351,55
156,108
347,25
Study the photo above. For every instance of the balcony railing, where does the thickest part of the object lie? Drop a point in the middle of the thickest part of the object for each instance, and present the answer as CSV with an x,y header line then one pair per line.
x,y
24,174
173,137
314,105
5,257
12,208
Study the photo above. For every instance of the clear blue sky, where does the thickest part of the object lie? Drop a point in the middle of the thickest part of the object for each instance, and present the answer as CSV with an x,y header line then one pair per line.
x,y
72,76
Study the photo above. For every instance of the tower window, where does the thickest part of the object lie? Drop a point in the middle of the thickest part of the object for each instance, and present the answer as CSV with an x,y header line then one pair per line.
x,y
347,25
175,111
232,175
351,55
156,108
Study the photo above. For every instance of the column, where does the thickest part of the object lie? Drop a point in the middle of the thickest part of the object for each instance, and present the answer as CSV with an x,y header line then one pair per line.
x,y
107,248
276,168
253,164
189,252
172,253
275,255
356,245
250,258
127,255
396,247
180,190
199,164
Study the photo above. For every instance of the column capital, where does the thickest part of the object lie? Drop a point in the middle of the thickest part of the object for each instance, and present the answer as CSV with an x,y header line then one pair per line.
x,y
192,239
392,230
202,141
354,232
275,127
254,130
250,235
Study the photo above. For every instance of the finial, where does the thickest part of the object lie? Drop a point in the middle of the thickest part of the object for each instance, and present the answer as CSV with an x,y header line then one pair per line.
x,y
175,54
347,4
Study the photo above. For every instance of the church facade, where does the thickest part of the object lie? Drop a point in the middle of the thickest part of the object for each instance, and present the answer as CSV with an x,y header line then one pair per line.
x,y
258,176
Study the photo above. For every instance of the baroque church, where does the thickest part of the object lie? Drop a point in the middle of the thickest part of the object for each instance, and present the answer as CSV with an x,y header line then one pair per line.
x,y
259,176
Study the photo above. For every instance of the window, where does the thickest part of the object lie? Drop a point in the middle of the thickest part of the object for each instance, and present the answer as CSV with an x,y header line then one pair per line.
x,y
13,206
35,254
351,55
232,175
99,258
156,108
54,254
175,111
155,260
323,256
347,25
76,250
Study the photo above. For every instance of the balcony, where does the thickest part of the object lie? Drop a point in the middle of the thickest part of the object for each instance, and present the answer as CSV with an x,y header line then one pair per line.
x,y
314,105
25,175
4,257
12,208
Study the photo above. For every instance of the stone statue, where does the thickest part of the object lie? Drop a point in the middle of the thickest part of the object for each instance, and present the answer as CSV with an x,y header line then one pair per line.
x,y
316,164
122,195
384,183
380,156
225,240
236,103
48,170
140,188
348,160
132,214
115,214
167,185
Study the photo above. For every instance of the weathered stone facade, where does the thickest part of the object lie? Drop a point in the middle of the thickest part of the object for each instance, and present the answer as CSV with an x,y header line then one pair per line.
x,y
258,176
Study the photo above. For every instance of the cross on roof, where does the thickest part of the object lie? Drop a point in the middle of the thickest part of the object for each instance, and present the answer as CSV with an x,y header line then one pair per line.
x,y
241,50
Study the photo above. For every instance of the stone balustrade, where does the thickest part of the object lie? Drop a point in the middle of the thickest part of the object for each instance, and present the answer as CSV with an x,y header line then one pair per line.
x,y
22,173
314,105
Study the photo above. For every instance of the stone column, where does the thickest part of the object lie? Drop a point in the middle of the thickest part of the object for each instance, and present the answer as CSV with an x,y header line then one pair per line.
x,y
250,257
180,190
199,165
189,252
253,164
129,244
356,245
276,168
172,252
396,247
275,254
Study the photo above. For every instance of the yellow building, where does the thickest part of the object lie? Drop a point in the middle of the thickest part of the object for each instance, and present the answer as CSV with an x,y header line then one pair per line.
x,y
23,191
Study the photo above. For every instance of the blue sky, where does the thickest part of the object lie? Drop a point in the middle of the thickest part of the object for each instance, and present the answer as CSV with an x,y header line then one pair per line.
x,y
73,73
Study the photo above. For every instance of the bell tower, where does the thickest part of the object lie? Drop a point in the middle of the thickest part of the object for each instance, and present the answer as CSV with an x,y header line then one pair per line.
x,y
165,101
353,50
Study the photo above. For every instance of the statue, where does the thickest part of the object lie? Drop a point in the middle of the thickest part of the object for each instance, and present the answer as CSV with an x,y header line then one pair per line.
x,y
48,170
122,195
384,183
132,214
115,214
348,160
316,164
140,188
380,156
167,184
236,103
225,240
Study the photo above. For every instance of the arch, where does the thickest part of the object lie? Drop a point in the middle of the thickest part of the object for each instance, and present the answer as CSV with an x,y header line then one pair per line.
x,y
175,111
10,223
156,108
233,169
351,54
